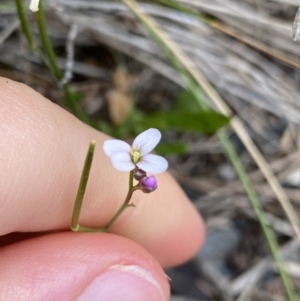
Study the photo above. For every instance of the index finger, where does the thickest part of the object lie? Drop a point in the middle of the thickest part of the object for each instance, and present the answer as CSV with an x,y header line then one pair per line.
x,y
42,151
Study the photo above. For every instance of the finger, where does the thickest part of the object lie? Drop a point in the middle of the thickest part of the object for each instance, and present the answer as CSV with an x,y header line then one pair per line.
x,y
42,151
77,266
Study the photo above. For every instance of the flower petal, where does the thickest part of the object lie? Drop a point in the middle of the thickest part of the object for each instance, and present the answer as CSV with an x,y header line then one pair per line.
x,y
146,141
122,162
112,147
34,5
153,164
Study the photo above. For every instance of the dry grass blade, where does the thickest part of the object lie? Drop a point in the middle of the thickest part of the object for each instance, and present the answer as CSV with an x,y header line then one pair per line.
x,y
296,25
236,123
260,46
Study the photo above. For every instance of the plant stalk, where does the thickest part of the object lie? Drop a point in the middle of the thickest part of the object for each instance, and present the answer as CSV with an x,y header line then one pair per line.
x,y
41,22
25,24
269,234
125,205
82,186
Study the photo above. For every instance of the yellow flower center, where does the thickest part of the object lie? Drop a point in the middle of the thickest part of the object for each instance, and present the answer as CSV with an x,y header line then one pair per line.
x,y
136,156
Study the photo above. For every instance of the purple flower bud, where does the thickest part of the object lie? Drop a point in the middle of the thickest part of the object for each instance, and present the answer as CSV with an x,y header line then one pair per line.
x,y
149,184
139,174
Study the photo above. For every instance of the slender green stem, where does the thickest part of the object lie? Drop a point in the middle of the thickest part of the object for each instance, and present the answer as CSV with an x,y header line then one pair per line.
x,y
82,186
269,234
131,180
40,18
25,24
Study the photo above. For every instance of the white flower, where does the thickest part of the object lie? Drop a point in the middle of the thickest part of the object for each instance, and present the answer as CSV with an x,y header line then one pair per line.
x,y
34,5
125,157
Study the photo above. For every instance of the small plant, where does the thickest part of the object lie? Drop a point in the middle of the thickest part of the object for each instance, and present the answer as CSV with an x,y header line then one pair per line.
x,y
136,159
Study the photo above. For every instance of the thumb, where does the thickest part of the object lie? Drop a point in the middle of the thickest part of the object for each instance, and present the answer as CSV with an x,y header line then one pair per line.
x,y
80,266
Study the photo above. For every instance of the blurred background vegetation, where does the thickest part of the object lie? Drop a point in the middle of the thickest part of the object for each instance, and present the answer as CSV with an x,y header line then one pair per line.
x,y
119,74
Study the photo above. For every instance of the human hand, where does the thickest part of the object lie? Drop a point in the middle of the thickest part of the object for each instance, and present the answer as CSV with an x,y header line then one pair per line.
x,y
42,151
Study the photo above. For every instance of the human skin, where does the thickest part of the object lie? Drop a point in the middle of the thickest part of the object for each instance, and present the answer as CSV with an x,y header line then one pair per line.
x,y
42,151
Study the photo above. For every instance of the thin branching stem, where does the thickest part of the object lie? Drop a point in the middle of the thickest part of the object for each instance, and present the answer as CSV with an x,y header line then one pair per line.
x,y
125,204
75,226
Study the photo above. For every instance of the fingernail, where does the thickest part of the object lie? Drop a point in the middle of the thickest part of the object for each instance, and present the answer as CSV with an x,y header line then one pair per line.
x,y
126,283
